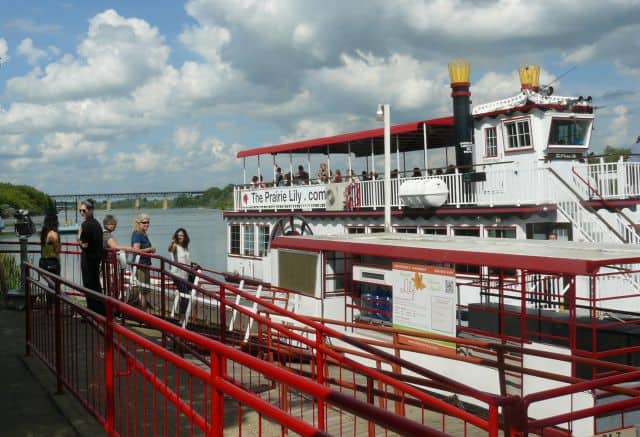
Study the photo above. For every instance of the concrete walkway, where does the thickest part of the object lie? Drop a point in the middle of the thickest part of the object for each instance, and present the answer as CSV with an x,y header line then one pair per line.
x,y
29,405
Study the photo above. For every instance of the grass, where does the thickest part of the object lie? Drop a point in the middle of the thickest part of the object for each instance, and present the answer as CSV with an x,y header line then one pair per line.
x,y
11,270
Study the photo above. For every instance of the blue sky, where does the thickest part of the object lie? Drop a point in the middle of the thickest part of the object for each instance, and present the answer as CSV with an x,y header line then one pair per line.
x,y
138,95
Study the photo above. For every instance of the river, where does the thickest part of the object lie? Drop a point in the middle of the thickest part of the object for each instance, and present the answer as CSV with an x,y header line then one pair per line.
x,y
205,227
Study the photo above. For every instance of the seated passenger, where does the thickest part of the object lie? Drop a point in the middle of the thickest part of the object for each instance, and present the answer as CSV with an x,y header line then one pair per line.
x,y
323,173
303,176
338,177
416,172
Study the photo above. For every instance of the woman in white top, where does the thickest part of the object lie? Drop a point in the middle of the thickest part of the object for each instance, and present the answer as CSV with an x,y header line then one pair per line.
x,y
179,249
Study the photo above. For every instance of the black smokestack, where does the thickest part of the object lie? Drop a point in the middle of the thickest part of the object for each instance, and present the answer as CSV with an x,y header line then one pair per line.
x,y
459,74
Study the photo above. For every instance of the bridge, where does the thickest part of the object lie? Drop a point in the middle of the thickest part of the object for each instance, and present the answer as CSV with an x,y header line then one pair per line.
x,y
109,197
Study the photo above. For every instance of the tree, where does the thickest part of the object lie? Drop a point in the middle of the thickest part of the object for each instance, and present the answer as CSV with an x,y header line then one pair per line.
x,y
613,154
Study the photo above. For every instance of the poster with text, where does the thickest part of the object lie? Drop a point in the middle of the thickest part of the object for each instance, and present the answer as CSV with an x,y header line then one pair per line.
x,y
424,298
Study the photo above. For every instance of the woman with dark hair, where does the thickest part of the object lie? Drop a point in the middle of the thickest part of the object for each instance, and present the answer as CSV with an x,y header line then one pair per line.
x,y
50,246
179,249
91,245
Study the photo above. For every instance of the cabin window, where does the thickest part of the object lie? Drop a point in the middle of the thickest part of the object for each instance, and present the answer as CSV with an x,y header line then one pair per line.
x,y
490,142
356,230
467,231
568,132
263,240
249,240
376,229
406,230
234,240
434,230
502,232
518,134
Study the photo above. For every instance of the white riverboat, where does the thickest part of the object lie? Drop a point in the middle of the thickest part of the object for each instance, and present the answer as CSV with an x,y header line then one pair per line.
x,y
507,172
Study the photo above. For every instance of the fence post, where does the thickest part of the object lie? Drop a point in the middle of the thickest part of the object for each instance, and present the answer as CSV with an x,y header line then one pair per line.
x,y
108,371
217,398
163,297
223,314
58,336
320,377
27,319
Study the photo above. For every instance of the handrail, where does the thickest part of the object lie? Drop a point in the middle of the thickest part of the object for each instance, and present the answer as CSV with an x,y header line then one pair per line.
x,y
376,414
589,209
606,203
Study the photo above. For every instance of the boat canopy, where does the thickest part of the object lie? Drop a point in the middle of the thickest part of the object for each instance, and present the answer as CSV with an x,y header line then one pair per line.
x,y
405,137
560,257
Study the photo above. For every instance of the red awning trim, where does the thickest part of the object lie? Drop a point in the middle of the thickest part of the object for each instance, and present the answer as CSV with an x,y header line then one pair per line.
x,y
528,107
344,138
497,260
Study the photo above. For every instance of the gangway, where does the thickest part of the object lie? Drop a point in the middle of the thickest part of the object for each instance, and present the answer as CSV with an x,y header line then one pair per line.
x,y
141,372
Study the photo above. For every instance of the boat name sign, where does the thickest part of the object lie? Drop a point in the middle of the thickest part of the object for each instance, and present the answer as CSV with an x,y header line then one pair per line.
x,y
303,196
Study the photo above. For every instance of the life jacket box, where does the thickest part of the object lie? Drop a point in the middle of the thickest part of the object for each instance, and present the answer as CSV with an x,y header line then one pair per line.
x,y
424,193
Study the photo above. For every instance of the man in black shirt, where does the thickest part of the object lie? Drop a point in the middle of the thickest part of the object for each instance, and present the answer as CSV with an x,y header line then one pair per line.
x,y
92,251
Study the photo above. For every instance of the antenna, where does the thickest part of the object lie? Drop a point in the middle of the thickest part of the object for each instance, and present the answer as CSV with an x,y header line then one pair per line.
x,y
560,77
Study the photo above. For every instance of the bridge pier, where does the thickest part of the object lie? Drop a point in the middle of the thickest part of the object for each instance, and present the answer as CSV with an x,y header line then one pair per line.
x,y
137,204
108,204
165,203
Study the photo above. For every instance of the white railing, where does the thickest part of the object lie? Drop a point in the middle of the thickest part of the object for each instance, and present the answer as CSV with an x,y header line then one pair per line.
x,y
609,180
505,184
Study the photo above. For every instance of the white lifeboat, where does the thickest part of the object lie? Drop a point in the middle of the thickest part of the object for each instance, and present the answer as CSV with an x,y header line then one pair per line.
x,y
424,193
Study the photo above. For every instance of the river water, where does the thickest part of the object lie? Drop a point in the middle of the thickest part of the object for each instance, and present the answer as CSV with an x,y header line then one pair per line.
x,y
205,227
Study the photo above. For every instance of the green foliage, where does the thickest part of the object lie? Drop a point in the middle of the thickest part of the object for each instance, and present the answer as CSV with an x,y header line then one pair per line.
x,y
11,269
22,197
212,198
613,153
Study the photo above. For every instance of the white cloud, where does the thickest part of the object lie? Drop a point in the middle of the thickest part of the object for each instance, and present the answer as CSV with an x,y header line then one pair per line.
x,y
28,50
117,55
618,128
29,26
4,50
185,137
59,146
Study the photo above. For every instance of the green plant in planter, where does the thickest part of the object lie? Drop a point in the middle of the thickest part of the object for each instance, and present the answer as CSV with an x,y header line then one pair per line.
x,y
11,268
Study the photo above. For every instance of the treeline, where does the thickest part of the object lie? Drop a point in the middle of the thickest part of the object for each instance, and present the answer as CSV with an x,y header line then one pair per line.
x,y
217,198
13,197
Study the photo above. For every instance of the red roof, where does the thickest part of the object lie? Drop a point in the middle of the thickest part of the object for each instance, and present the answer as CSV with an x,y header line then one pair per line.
x,y
355,140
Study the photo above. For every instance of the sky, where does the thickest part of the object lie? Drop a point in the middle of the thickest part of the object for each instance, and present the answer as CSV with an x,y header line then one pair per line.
x,y
113,96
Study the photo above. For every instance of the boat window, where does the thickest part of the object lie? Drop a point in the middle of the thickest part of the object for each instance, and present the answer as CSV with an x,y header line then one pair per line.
x,y
501,232
297,271
234,240
263,240
568,132
406,230
518,134
434,230
249,240
467,231
376,229
355,230
490,142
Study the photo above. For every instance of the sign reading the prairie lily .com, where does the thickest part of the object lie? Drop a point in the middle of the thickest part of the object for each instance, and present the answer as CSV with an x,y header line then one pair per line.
x,y
302,196
424,298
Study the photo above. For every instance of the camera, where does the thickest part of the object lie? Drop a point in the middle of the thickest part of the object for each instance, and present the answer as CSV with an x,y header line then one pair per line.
x,y
24,225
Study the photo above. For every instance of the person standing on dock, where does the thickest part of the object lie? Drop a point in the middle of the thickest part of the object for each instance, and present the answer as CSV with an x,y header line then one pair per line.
x,y
179,250
140,242
91,245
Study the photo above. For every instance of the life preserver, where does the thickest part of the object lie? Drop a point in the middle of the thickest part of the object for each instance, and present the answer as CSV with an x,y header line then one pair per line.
x,y
352,196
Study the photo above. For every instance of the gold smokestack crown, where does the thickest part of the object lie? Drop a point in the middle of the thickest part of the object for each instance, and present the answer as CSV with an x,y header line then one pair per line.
x,y
529,76
459,71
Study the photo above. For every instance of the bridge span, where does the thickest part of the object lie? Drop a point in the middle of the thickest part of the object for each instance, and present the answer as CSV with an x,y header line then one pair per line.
x,y
110,197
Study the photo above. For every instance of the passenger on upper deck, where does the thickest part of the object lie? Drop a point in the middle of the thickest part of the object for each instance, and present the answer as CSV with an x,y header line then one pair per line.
x,y
364,176
302,177
416,172
279,180
338,177
323,173
254,182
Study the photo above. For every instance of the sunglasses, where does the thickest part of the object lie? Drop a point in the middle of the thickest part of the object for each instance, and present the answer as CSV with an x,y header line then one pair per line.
x,y
144,223
82,210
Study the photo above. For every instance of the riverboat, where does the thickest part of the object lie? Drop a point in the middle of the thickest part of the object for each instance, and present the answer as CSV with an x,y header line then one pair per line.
x,y
445,242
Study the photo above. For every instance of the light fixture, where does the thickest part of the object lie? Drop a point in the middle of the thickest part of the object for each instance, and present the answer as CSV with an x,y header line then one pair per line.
x,y
380,112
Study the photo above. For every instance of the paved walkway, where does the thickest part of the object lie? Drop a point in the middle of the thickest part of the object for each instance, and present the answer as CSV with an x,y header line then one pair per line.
x,y
29,405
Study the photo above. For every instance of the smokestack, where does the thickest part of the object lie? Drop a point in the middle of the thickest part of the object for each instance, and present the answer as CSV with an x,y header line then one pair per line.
x,y
459,75
529,77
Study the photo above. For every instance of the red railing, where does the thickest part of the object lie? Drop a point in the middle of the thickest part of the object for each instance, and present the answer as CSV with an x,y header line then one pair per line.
x,y
136,386
164,393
